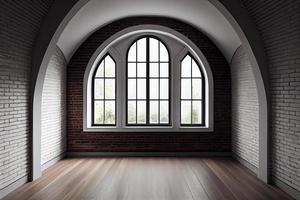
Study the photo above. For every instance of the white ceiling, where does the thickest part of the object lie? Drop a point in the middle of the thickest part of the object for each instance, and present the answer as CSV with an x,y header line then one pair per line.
x,y
199,13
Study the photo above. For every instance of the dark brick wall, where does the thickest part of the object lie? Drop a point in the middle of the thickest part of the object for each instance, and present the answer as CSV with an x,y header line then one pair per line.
x,y
279,24
217,141
19,26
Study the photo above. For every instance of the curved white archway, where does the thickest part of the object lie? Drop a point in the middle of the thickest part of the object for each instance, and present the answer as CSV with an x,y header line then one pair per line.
x,y
160,30
210,16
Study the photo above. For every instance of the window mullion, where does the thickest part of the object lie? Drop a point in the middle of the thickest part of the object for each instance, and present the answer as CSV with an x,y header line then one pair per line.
x,y
136,85
147,83
104,90
191,91
158,82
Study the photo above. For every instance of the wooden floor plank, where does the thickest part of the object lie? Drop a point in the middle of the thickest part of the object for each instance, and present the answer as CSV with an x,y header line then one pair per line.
x,y
211,183
234,182
147,179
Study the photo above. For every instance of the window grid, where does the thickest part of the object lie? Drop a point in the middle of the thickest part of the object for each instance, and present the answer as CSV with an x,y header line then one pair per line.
x,y
148,78
104,99
192,99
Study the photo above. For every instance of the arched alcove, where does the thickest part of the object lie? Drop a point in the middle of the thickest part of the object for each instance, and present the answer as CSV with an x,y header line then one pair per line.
x,y
226,24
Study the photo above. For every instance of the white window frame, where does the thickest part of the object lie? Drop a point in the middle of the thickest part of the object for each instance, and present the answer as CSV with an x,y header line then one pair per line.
x,y
117,46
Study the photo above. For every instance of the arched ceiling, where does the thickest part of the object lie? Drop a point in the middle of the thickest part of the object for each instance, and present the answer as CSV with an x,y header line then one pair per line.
x,y
199,13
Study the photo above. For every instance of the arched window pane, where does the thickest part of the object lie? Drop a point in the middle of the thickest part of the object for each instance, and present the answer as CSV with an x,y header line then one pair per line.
x,y
100,70
132,53
141,50
148,83
195,69
192,90
186,67
109,67
164,55
104,93
154,52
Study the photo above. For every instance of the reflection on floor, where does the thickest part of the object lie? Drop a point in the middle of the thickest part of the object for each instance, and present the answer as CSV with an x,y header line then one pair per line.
x,y
147,179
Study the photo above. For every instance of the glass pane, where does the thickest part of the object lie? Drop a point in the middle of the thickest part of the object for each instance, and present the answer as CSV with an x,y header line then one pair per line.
x,y
186,67
185,112
153,88
164,57
98,112
141,47
131,112
109,67
141,70
141,112
153,112
153,48
164,112
197,112
164,89
131,70
195,69
99,88
100,70
110,112
164,70
141,89
110,89
132,53
131,89
185,88
153,69
197,89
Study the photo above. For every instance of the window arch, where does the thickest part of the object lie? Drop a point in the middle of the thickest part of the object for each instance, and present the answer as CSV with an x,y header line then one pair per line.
x,y
192,91
148,82
143,72
104,93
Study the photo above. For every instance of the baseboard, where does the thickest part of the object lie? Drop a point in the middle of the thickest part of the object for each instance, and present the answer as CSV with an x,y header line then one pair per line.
x,y
286,188
13,186
53,161
148,154
247,164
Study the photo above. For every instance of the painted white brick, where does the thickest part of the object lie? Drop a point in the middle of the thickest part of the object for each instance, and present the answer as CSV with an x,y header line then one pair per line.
x,y
244,108
53,138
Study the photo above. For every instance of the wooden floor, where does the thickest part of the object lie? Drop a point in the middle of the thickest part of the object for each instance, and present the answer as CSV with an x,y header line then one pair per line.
x,y
147,179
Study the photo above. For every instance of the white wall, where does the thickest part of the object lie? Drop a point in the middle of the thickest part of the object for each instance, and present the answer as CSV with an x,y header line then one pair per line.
x,y
244,110
53,135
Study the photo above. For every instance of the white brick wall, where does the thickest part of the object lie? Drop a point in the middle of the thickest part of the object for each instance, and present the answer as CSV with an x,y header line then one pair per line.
x,y
54,109
279,24
244,109
19,26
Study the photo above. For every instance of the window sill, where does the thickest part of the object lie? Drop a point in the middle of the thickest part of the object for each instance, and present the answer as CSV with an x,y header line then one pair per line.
x,y
148,129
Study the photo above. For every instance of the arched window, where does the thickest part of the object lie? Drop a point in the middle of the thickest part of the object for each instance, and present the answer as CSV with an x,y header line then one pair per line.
x,y
148,93
148,81
104,93
192,92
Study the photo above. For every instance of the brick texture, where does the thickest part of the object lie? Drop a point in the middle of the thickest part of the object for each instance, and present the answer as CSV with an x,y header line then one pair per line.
x,y
279,25
53,137
244,109
217,141
19,26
